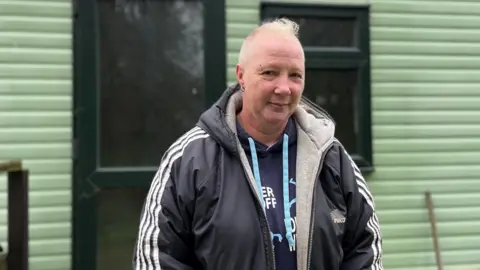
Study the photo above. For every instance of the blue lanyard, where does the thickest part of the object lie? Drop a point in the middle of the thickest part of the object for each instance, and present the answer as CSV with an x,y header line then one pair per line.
x,y
286,191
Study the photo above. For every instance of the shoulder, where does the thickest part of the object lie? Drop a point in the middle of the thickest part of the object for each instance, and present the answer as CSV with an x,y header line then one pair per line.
x,y
337,157
347,173
341,166
194,151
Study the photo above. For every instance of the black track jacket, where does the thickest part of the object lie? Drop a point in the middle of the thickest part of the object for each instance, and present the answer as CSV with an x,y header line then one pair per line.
x,y
203,212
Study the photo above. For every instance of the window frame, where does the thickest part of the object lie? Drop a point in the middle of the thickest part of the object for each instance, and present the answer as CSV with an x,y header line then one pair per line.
x,y
88,178
340,57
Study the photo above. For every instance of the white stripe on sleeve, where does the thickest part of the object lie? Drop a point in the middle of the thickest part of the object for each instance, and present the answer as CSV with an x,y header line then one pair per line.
x,y
147,253
373,225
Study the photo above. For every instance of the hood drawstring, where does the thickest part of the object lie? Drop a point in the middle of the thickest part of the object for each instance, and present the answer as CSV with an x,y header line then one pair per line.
x,y
286,193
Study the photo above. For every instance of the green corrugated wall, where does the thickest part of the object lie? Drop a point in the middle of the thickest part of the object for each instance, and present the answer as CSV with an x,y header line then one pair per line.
x,y
426,123
35,120
426,108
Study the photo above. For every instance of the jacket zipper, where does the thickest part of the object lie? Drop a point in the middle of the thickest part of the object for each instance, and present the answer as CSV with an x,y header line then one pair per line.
x,y
263,215
312,214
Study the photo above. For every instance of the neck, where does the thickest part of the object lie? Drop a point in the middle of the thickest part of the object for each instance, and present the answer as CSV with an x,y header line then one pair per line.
x,y
265,133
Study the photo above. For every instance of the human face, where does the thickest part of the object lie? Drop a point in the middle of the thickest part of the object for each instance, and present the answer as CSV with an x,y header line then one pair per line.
x,y
272,78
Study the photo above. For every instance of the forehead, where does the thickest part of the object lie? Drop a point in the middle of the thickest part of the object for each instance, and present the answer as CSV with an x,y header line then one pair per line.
x,y
275,49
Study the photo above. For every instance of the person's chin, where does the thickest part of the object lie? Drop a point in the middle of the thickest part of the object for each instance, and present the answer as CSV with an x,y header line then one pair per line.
x,y
276,118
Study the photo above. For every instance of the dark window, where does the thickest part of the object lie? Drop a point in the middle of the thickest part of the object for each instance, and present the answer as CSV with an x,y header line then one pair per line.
x,y
140,81
336,41
151,77
338,88
326,32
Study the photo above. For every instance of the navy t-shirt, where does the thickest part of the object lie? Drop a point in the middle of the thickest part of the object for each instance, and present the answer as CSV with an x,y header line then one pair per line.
x,y
270,163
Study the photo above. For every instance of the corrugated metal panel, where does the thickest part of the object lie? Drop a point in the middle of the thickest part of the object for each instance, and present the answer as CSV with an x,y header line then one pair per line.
x,y
35,120
426,129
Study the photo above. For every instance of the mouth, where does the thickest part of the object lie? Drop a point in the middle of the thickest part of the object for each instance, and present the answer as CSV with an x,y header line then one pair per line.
x,y
278,107
276,104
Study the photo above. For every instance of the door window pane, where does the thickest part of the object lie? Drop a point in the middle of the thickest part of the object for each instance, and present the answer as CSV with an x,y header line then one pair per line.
x,y
151,77
326,31
335,91
117,228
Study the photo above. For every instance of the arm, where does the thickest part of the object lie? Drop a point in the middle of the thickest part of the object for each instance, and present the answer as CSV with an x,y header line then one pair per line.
x,y
363,242
164,238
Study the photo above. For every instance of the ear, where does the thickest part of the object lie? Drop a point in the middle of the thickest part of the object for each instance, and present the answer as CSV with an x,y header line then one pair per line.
x,y
239,74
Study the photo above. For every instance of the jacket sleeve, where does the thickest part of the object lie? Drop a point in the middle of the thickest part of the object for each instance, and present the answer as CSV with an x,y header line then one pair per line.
x,y
164,238
363,242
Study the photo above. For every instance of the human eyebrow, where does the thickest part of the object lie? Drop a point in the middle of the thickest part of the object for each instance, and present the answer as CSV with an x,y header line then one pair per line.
x,y
267,69
268,66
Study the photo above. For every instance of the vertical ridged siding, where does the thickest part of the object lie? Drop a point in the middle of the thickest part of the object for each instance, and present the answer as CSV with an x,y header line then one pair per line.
x,y
35,120
426,129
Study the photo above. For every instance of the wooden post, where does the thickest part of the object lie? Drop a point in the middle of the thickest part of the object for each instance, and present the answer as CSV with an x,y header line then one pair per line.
x,y
433,224
17,253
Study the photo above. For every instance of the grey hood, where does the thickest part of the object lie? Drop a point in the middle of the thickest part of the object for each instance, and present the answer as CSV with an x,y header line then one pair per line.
x,y
315,133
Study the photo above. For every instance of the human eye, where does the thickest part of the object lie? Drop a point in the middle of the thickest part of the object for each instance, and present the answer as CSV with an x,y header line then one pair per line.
x,y
268,72
296,75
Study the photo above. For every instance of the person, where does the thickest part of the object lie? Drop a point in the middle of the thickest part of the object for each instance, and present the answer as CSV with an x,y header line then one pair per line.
x,y
260,182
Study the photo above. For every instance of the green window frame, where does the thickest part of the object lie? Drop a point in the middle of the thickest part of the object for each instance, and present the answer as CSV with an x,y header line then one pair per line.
x,y
334,57
89,178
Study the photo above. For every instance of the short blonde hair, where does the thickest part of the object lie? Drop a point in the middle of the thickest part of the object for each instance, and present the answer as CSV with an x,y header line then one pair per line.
x,y
282,26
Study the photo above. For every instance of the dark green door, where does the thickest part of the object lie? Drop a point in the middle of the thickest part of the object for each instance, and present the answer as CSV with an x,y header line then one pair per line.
x,y
141,79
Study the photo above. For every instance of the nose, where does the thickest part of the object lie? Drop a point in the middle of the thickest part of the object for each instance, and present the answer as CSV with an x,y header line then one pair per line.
x,y
282,87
